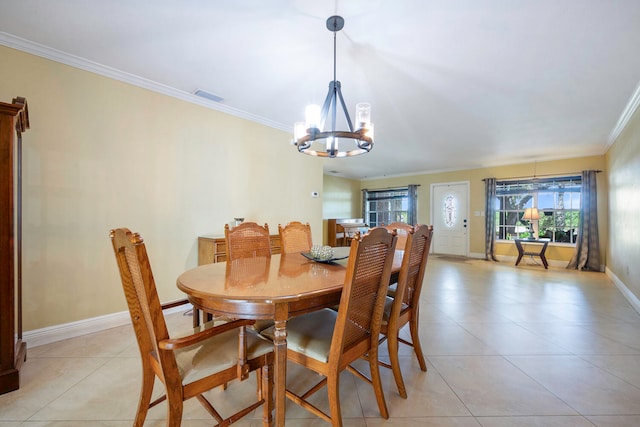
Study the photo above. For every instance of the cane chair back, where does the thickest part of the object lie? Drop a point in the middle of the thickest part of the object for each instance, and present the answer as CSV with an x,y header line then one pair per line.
x,y
187,366
247,240
404,307
295,237
327,341
401,229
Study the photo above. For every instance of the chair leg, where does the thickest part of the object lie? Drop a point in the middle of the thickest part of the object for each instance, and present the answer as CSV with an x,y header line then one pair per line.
x,y
174,411
146,391
260,383
195,313
377,383
265,379
333,391
415,338
392,345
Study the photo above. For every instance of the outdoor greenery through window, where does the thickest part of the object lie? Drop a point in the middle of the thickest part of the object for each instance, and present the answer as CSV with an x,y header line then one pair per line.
x,y
557,200
386,206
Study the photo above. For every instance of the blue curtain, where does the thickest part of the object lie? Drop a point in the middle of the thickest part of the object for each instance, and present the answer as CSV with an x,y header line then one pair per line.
x,y
587,255
412,214
490,218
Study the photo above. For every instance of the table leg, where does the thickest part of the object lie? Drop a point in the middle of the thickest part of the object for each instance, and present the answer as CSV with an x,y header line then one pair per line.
x,y
543,256
280,349
520,252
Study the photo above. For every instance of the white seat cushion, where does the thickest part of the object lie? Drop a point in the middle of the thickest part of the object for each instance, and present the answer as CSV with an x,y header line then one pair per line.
x,y
218,353
310,334
388,303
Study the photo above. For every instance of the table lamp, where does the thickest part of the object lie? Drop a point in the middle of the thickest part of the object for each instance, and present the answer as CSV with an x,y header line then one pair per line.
x,y
530,214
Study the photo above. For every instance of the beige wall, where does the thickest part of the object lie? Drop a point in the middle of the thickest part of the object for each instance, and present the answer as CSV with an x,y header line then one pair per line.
x,y
623,162
102,154
557,252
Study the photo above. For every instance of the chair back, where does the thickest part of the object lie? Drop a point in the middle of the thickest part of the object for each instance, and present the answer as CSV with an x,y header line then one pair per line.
x,y
363,295
402,229
141,294
413,266
295,237
247,240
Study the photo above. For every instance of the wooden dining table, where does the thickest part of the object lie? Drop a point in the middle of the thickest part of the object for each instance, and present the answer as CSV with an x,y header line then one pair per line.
x,y
278,288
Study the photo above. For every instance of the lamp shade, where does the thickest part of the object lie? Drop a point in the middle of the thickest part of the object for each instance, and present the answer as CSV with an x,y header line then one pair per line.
x,y
531,214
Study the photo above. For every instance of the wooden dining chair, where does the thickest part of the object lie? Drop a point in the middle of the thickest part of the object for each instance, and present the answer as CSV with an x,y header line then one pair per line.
x,y
327,341
405,306
295,237
402,229
247,240
187,366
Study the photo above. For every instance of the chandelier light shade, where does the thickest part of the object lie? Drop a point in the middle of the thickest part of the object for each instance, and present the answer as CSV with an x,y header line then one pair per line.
x,y
311,138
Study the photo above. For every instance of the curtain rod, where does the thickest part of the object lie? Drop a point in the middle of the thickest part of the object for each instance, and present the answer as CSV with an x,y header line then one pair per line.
x,y
543,175
390,188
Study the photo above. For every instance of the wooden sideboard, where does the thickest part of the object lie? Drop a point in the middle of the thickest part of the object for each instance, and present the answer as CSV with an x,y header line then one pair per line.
x,y
213,248
14,119
341,230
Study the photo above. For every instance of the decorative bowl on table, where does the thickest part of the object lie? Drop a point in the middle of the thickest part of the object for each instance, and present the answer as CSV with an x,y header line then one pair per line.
x,y
325,254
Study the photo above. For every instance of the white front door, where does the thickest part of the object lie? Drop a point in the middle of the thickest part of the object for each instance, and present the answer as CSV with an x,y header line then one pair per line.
x,y
449,210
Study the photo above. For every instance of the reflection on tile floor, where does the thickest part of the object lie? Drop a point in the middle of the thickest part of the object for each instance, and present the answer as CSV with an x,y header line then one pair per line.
x,y
505,346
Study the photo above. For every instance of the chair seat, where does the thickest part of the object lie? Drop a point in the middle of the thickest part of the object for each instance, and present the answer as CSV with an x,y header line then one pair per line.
x,y
309,334
217,353
393,288
388,304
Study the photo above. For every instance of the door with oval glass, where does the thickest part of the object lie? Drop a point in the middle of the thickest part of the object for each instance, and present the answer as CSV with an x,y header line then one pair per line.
x,y
449,210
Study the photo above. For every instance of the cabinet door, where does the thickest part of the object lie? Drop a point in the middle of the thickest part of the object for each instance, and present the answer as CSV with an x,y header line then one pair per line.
x,y
13,352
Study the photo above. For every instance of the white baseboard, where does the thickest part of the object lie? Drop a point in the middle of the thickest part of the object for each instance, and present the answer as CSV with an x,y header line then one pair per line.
x,y
630,296
65,331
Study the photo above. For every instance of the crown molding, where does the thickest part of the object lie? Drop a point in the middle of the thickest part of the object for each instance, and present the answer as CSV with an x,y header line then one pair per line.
x,y
629,110
46,52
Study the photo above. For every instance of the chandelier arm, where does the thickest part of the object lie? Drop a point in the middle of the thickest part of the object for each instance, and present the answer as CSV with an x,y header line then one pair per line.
x,y
327,104
334,105
344,108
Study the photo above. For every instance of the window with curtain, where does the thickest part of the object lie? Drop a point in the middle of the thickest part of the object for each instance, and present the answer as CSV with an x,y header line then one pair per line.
x,y
557,200
389,205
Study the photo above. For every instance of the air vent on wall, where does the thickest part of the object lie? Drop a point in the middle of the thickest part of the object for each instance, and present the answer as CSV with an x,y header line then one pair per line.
x,y
208,95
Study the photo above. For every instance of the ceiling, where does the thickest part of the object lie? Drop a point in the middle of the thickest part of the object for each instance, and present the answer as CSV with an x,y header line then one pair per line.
x,y
453,84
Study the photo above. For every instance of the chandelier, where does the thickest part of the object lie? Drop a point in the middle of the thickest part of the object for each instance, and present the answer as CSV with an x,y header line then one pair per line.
x,y
309,136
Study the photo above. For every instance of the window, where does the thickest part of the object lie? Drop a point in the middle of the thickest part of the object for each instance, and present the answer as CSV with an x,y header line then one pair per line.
x,y
557,200
386,206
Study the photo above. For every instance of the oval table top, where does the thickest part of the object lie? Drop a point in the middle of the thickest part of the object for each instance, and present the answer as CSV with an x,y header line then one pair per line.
x,y
249,283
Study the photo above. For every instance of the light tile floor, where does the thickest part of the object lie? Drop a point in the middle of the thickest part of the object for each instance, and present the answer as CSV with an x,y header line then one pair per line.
x,y
506,346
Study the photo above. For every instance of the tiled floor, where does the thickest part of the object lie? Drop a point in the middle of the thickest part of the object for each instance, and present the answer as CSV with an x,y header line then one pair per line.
x,y
506,346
